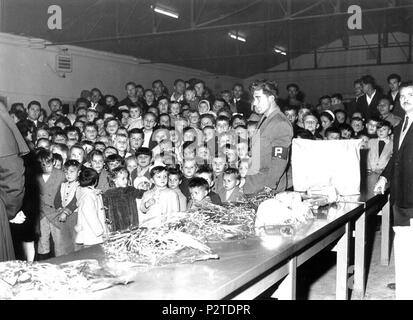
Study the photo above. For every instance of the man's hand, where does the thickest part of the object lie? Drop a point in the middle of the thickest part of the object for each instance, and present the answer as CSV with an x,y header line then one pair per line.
x,y
62,217
149,203
380,185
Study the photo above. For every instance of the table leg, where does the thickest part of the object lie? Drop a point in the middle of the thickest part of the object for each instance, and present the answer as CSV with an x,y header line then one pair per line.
x,y
385,234
360,255
292,278
342,265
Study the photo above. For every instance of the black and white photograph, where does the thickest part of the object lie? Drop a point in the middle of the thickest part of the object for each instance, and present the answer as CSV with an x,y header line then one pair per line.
x,y
195,153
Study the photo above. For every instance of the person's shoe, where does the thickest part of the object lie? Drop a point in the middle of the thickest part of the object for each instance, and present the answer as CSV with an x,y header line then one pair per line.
x,y
391,286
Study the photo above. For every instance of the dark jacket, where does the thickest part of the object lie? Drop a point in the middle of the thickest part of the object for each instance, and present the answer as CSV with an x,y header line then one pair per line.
x,y
367,110
399,170
121,208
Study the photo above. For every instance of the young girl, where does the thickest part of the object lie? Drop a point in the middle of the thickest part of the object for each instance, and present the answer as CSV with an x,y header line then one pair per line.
x,y
91,228
122,210
327,120
97,163
158,202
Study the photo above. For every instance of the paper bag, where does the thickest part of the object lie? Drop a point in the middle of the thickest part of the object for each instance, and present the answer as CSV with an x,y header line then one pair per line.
x,y
317,163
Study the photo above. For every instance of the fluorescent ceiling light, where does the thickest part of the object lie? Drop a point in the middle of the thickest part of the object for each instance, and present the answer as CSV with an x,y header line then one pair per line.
x,y
166,12
280,50
237,37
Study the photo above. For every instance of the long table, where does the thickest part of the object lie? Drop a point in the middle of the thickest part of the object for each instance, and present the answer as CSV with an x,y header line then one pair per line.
x,y
246,268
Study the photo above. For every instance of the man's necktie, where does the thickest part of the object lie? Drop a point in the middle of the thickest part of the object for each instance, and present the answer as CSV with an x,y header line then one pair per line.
x,y
406,123
260,124
381,146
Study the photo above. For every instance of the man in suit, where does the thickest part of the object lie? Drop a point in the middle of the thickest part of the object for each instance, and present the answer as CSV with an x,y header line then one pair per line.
x,y
33,113
12,147
239,105
367,104
394,81
358,93
399,170
271,142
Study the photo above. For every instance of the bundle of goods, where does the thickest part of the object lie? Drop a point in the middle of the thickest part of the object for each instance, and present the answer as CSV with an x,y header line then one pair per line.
x,y
257,198
211,222
321,196
285,213
157,246
22,280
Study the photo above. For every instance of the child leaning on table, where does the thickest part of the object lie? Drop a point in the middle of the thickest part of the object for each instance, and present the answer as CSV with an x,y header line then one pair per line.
x,y
158,202
380,148
91,227
199,190
231,191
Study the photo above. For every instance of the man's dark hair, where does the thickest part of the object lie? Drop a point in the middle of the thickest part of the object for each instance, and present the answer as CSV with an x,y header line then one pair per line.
x,y
269,88
54,99
33,103
338,96
130,83
294,85
368,79
394,76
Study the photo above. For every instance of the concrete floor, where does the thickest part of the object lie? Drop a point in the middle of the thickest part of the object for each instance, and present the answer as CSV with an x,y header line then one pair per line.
x,y
317,277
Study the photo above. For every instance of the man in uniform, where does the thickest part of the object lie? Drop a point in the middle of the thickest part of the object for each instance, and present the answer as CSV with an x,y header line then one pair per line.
x,y
271,142
12,147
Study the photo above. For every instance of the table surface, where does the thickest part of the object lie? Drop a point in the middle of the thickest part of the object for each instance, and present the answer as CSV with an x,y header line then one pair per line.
x,y
240,262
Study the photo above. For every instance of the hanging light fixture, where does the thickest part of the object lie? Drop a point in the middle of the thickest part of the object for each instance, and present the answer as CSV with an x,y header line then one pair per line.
x,y
236,36
165,11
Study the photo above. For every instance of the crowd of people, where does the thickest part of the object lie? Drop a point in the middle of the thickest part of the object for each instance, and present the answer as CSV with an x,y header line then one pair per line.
x,y
109,164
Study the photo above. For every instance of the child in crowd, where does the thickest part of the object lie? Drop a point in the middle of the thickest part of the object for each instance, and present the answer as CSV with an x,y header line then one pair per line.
x,y
49,182
327,120
332,133
120,201
341,116
109,151
311,124
160,201
381,148
144,158
357,124
219,165
189,168
43,143
243,170
131,163
371,127
97,163
77,153
207,173
121,143
91,228
199,189
231,191
57,161
346,131
135,117
174,180
65,201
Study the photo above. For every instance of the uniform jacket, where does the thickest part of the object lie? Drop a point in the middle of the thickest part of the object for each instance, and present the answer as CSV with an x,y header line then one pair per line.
x,y
399,170
270,150
374,161
397,109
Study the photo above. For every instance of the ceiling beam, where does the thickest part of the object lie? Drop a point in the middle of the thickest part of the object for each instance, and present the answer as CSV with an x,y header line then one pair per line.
x,y
292,17
225,16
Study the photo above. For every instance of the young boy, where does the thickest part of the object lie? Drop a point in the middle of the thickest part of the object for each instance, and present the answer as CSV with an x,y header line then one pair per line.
x,y
219,164
77,153
158,202
120,142
206,172
65,200
371,127
199,189
222,125
358,126
174,180
144,158
149,122
135,119
49,182
120,202
231,191
381,148
91,132
189,168
332,133
311,124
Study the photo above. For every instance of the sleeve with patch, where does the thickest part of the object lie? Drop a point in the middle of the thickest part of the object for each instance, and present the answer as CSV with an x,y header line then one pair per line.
x,y
279,152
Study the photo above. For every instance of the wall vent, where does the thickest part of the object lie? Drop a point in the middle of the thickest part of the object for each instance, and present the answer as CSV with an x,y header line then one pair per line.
x,y
64,62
